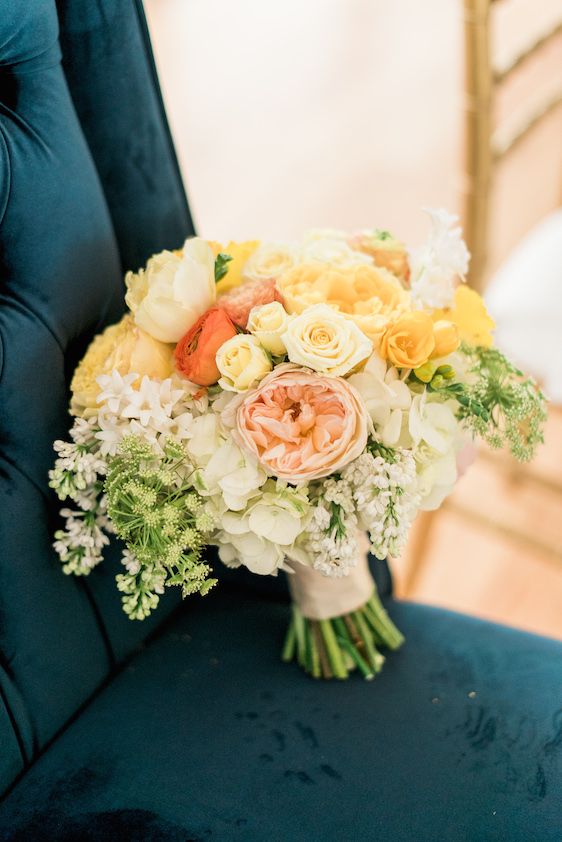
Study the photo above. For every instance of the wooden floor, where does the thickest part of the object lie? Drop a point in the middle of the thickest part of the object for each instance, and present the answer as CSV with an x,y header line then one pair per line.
x,y
348,114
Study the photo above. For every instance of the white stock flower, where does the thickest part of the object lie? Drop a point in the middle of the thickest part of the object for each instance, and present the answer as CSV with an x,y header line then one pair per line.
x,y
242,363
173,291
267,323
437,265
386,397
326,341
269,261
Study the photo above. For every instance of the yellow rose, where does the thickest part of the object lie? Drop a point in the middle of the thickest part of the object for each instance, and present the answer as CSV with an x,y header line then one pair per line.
x,y
369,295
326,341
124,347
242,362
474,323
446,335
408,342
240,252
267,323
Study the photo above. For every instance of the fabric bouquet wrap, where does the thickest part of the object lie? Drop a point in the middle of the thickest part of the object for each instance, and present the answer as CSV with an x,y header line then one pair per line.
x,y
294,405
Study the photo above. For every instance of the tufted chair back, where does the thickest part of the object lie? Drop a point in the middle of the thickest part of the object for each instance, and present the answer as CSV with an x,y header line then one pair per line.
x,y
89,186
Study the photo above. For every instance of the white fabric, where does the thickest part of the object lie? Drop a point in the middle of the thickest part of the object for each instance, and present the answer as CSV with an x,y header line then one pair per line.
x,y
525,299
322,597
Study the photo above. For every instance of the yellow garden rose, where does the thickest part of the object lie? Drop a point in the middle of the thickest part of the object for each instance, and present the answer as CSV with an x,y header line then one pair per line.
x,y
124,347
446,335
469,314
409,341
369,295
240,252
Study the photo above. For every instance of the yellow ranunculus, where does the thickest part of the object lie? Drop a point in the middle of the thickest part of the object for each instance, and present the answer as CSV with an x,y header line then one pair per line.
x,y
409,341
447,340
240,252
124,347
474,323
369,295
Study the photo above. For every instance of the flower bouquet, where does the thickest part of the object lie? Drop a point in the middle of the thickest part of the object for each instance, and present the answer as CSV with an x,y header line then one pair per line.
x,y
282,402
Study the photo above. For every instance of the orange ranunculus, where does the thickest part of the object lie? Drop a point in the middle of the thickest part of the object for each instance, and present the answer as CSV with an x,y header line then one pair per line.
x,y
446,336
196,352
408,342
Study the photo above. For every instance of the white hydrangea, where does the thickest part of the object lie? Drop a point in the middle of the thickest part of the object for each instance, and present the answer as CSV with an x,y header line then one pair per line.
x,y
437,265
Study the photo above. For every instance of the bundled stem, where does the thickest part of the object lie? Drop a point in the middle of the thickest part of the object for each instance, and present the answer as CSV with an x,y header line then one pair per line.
x,y
333,648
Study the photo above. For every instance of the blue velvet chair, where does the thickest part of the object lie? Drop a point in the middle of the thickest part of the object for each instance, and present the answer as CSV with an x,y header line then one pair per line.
x,y
187,726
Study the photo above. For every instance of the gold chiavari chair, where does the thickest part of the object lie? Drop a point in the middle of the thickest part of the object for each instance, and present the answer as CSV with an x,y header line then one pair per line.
x,y
488,146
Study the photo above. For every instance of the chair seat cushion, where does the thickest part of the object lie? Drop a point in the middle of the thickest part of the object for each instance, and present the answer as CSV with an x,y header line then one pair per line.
x,y
524,299
207,735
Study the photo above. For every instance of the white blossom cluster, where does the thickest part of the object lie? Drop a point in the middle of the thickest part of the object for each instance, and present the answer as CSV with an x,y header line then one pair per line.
x,y
77,475
438,264
153,409
386,498
330,539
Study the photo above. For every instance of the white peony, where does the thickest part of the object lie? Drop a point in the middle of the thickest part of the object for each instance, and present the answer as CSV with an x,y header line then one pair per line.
x,y
326,341
386,397
173,291
433,423
269,261
242,363
436,476
437,265
267,323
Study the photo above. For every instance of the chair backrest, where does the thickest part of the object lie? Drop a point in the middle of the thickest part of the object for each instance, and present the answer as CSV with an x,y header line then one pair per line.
x,y
498,124
89,185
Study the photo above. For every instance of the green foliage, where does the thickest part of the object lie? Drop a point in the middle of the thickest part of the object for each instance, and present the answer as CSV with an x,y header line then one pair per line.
x,y
221,267
154,509
498,403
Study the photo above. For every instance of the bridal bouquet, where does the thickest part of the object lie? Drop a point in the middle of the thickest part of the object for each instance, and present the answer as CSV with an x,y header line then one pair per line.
x,y
280,401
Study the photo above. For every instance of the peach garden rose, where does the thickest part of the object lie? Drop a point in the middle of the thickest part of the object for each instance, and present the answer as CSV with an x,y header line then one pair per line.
x,y
301,426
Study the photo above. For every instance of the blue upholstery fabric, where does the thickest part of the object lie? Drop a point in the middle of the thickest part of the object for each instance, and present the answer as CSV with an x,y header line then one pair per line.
x,y
207,735
61,281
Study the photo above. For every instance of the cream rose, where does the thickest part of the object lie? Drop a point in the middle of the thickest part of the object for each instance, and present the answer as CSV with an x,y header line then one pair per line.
x,y
173,291
269,261
267,323
326,341
242,362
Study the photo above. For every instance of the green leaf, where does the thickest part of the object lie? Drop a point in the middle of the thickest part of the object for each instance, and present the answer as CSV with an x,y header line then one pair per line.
x,y
221,267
